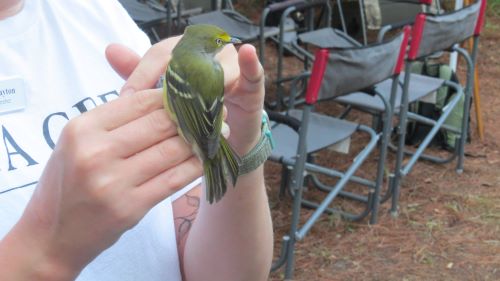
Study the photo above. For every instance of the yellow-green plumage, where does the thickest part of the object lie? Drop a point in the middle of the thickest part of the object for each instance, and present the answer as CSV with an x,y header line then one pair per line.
x,y
194,95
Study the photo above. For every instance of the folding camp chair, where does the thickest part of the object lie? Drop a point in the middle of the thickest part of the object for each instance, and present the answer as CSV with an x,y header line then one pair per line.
x,y
322,36
407,10
329,37
155,19
419,87
317,35
241,27
288,42
175,13
431,34
147,18
299,133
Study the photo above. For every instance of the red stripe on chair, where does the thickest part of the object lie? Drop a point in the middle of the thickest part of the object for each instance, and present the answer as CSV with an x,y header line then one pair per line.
x,y
318,71
416,36
426,2
402,50
480,18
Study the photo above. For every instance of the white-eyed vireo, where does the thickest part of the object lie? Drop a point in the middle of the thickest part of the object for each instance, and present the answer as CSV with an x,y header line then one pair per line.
x,y
194,95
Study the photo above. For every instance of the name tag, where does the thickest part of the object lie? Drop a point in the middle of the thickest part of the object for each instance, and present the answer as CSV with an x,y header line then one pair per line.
x,y
12,94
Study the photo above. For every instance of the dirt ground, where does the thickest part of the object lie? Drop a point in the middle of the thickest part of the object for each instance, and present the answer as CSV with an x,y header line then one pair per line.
x,y
448,227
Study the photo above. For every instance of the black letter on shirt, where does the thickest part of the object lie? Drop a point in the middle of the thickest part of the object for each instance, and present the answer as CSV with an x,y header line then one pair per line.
x,y
46,133
8,138
81,105
104,97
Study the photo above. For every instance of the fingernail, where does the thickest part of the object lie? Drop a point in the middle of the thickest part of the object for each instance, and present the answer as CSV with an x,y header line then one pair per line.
x,y
225,130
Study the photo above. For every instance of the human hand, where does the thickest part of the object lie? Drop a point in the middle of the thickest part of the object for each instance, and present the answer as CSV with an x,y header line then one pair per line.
x,y
110,166
244,96
244,84
217,225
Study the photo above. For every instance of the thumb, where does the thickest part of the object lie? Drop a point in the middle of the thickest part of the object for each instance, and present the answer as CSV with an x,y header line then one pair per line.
x,y
250,67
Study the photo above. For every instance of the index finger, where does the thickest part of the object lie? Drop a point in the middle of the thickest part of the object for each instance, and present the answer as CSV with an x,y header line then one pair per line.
x,y
123,110
155,61
122,59
151,66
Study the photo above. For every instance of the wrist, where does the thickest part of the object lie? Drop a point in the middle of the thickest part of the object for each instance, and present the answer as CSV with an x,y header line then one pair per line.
x,y
25,256
261,150
245,134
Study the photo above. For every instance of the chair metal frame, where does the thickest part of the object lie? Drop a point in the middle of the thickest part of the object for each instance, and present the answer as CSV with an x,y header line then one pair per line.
x,y
288,43
265,32
410,97
316,91
146,17
424,44
339,38
150,14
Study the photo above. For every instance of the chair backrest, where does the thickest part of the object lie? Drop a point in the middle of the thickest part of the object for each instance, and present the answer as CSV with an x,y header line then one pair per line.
x,y
340,71
401,12
432,33
416,2
141,13
312,19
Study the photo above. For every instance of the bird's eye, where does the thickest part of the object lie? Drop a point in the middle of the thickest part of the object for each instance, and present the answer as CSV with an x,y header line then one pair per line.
x,y
218,41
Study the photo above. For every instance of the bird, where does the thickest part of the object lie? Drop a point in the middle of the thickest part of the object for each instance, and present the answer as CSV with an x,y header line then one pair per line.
x,y
194,96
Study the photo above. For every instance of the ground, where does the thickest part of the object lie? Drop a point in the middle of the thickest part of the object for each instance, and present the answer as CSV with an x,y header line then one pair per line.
x,y
448,226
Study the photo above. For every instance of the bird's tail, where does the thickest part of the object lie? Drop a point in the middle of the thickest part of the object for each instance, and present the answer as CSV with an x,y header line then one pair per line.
x,y
218,170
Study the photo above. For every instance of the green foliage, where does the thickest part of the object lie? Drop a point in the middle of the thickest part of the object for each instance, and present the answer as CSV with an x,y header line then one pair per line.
x,y
493,8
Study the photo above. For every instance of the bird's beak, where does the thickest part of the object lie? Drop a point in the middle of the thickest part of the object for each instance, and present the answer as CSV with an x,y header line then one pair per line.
x,y
235,40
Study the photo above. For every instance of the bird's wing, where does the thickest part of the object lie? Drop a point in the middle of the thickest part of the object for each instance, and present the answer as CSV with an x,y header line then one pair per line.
x,y
198,109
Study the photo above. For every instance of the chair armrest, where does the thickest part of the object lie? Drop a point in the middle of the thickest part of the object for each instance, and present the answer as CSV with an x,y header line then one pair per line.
x,y
288,120
280,6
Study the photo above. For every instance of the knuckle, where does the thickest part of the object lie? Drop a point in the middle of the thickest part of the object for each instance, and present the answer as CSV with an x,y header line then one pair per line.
x,y
99,187
174,148
91,157
143,102
112,204
122,215
175,181
159,122
166,149
73,131
179,177
83,152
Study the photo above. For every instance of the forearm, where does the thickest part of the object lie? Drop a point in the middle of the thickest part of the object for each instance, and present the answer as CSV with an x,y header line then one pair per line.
x,y
232,239
22,257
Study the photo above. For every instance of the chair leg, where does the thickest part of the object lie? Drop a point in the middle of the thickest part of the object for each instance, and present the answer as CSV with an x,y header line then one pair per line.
x,y
463,135
381,164
396,177
283,254
297,186
394,195
285,180
290,257
467,103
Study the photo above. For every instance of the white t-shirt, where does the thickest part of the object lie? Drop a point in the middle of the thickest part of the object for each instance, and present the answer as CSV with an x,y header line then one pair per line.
x,y
52,54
